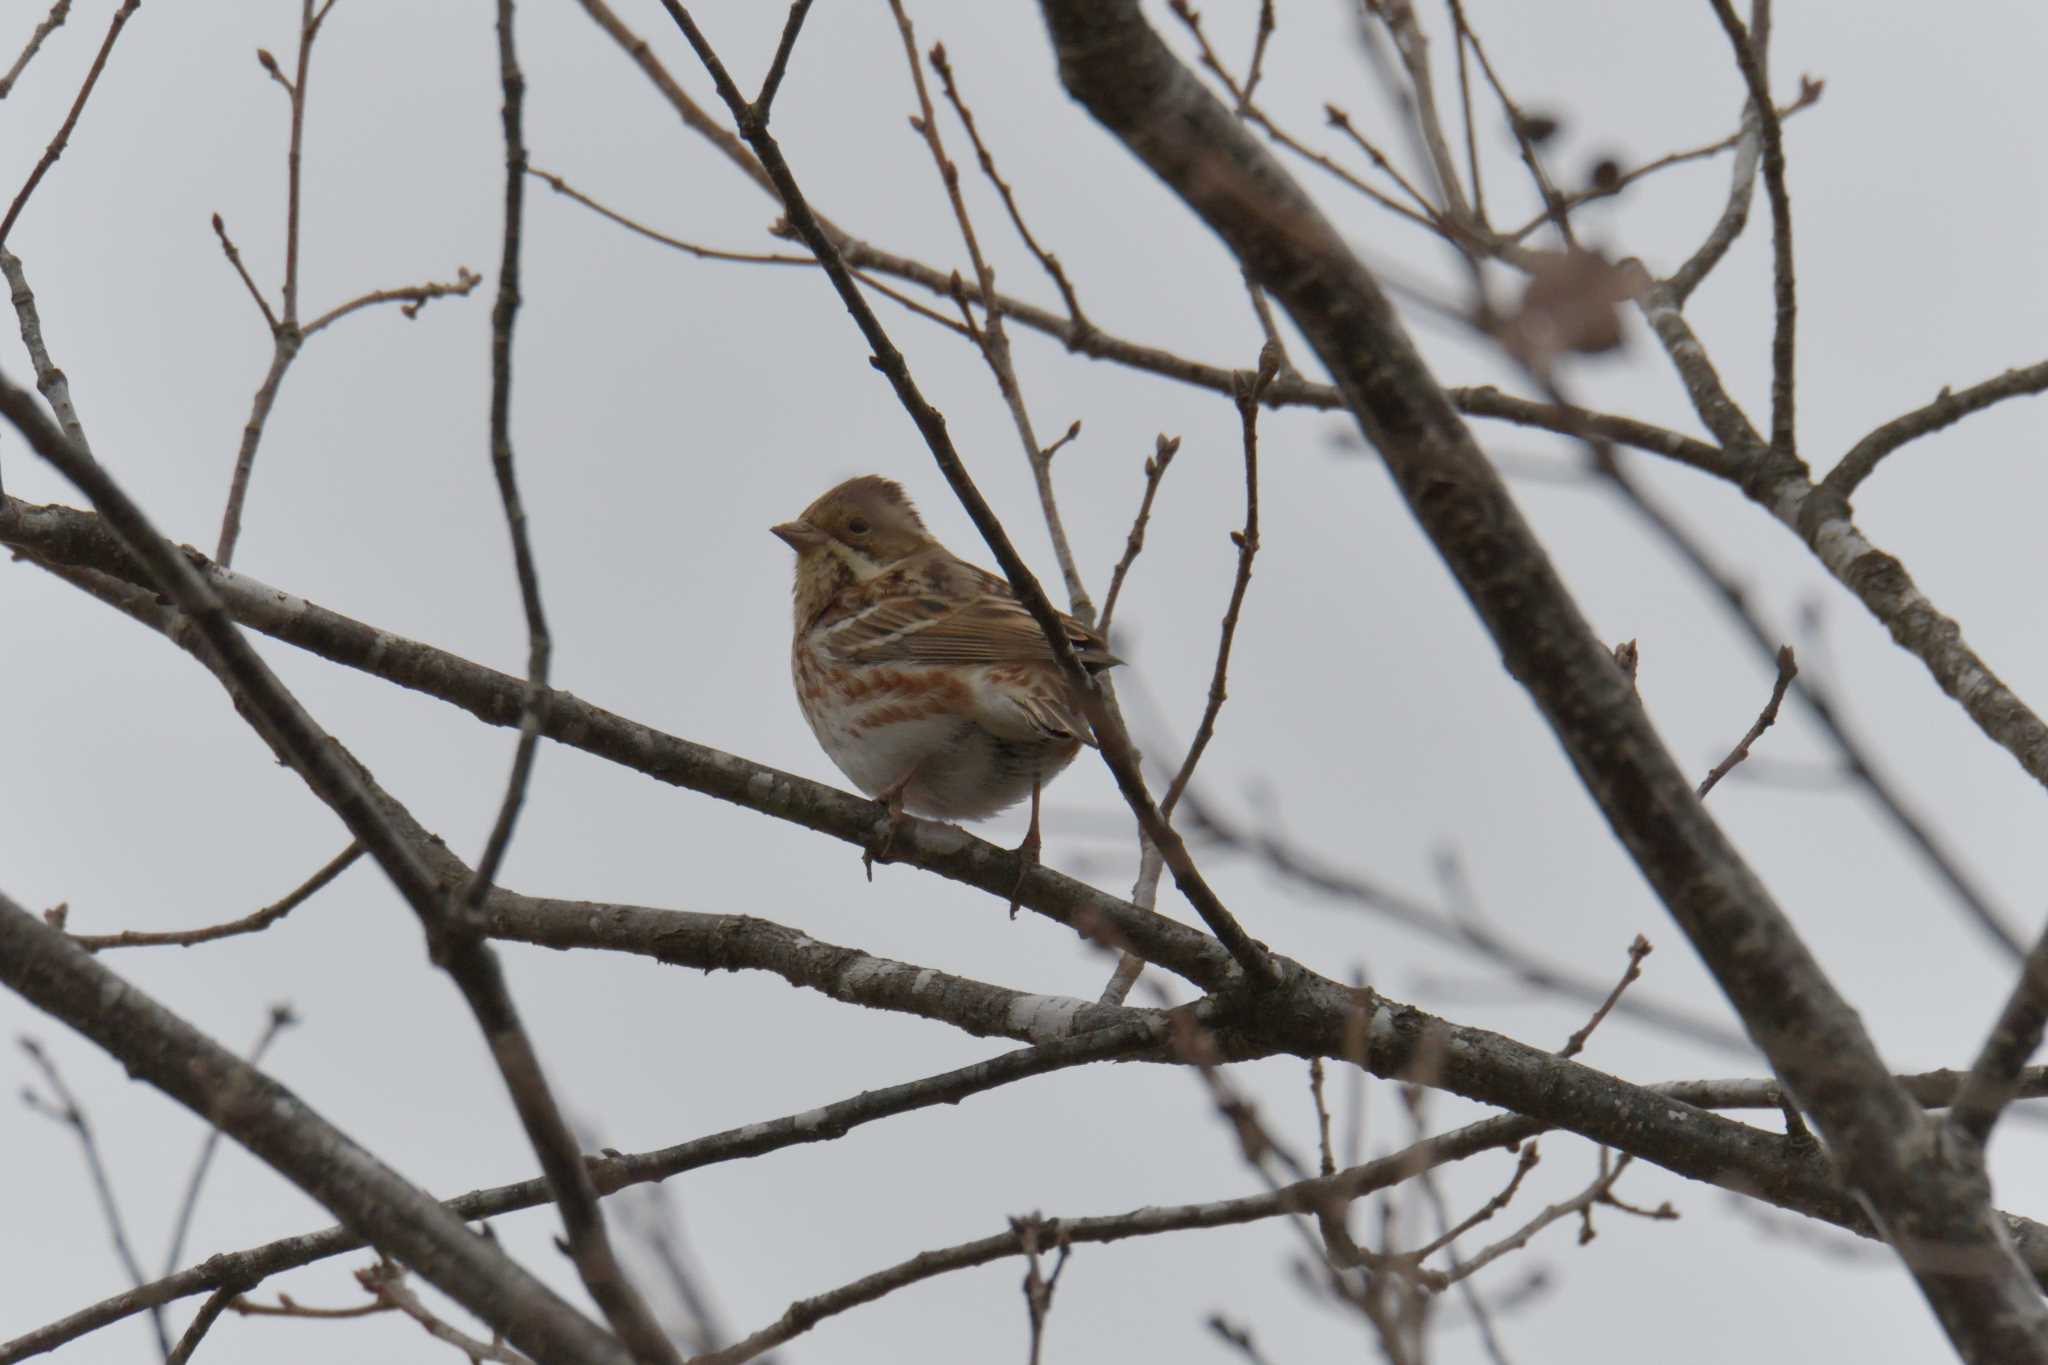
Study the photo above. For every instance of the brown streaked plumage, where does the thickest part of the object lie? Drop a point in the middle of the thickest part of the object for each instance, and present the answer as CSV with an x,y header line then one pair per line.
x,y
924,679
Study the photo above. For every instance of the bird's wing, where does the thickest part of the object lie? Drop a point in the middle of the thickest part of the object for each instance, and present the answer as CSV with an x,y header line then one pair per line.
x,y
985,624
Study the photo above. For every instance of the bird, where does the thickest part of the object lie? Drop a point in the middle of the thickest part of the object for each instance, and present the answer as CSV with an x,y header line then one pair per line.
x,y
925,680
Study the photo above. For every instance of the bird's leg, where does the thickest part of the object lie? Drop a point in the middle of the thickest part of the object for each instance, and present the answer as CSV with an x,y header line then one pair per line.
x,y
891,798
1027,852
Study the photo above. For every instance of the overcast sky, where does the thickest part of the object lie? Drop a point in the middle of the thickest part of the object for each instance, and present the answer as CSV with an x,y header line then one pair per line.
x,y
669,410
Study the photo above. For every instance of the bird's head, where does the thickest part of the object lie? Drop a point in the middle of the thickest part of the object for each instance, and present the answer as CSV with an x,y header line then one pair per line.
x,y
863,526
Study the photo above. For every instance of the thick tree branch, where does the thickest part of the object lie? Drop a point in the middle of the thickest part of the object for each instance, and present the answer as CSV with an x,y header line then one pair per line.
x,y
66,982
63,535
1930,1200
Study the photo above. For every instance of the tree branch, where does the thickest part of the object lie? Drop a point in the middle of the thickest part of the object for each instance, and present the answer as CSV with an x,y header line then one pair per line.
x,y
1936,1214
64,981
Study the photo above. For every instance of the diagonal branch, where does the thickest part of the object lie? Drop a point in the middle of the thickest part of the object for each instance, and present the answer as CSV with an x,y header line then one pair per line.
x,y
63,136
67,983
284,724
1945,411
1115,743
1749,56
1935,1212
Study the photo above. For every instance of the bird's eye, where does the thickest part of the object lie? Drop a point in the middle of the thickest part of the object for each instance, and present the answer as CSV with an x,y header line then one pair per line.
x,y
857,527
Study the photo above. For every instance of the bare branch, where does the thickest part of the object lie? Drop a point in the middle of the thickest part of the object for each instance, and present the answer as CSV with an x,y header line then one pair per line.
x,y
196,1330
412,297
1996,1078
1946,410
1112,61
1788,669
613,1173
227,245
992,339
1164,449
563,187
63,136
779,64
1637,951
1049,262
1247,542
1860,762
67,1111
1809,95
247,924
386,1281
1038,1286
1599,1192
1749,56
59,12
281,1018
39,964
50,380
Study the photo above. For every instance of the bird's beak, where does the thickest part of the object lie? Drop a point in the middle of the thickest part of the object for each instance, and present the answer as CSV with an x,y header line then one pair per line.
x,y
799,535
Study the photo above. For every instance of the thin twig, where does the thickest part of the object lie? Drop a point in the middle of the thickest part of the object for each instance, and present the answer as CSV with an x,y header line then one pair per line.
x,y
1049,262
59,12
413,297
1164,449
227,245
1340,120
66,1110
280,1019
1860,762
1038,1286
1749,56
1461,40
386,1281
63,137
287,335
288,1307
563,187
1525,1162
309,26
1637,951
209,1313
1247,542
1420,99
1267,23
993,338
779,64
1946,410
1598,1192
1327,1157
1788,669
1428,216
1995,1078
1809,95
51,381
504,314
286,338
589,1245
1556,208
247,924
285,349
1269,327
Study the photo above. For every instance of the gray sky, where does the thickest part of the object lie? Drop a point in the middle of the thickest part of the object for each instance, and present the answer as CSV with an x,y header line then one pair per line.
x,y
669,410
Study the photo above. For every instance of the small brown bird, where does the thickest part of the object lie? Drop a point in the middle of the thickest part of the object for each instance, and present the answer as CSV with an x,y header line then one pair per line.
x,y
926,681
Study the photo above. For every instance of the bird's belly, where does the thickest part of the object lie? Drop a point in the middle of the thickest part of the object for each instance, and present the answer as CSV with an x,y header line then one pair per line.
x,y
881,726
